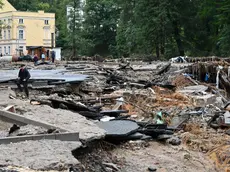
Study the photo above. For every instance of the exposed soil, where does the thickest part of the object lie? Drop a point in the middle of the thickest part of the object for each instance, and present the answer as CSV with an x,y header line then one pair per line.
x,y
164,158
133,156
138,156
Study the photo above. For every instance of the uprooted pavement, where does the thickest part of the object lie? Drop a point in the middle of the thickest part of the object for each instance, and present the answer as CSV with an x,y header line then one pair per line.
x,y
131,104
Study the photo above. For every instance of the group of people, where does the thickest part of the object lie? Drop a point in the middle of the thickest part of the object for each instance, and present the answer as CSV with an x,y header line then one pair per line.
x,y
43,57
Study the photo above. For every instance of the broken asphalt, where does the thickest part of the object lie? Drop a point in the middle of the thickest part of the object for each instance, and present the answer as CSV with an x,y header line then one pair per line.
x,y
132,104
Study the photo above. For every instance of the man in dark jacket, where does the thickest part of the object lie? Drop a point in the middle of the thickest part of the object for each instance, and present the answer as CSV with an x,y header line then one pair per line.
x,y
35,59
23,77
53,56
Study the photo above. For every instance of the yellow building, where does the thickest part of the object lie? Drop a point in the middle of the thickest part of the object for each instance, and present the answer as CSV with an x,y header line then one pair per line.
x,y
25,32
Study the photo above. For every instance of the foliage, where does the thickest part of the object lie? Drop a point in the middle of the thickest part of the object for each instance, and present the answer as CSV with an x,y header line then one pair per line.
x,y
100,24
156,28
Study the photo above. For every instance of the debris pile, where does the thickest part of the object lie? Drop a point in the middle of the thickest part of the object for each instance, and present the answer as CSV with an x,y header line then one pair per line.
x,y
130,104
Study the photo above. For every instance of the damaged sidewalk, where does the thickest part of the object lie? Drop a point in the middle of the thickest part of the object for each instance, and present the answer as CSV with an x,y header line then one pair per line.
x,y
134,105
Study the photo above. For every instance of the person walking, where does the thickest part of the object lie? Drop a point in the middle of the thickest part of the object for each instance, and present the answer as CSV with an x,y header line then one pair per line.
x,y
35,59
43,57
53,56
23,77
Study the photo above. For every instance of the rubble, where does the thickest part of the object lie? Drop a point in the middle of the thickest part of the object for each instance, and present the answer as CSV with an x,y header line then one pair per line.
x,y
40,155
131,105
71,121
28,130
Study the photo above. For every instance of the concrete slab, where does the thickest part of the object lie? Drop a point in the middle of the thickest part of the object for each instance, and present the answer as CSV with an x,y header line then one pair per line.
x,y
204,100
64,119
15,118
40,155
55,75
70,121
193,89
57,136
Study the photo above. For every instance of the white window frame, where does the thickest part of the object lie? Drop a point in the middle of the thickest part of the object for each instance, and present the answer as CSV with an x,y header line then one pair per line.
x,y
20,21
9,50
4,34
20,35
9,34
1,36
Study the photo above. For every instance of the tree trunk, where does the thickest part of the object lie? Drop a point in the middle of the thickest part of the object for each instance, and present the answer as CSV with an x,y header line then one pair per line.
x,y
178,38
74,29
157,51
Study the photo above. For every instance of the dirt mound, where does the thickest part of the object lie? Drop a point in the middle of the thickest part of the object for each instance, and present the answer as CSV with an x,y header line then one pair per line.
x,y
181,81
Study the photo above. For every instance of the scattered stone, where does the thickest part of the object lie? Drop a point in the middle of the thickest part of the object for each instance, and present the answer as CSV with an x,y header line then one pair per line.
x,y
228,132
111,165
108,169
151,169
175,141
219,102
28,130
203,100
14,128
134,116
62,106
187,156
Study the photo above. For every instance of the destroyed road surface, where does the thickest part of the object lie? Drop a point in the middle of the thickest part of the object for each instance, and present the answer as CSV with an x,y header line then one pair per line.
x,y
112,116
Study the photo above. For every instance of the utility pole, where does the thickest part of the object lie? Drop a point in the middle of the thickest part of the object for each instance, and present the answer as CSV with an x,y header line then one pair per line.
x,y
52,40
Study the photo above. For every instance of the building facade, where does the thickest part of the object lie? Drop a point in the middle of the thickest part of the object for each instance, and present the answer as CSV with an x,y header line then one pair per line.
x,y
25,32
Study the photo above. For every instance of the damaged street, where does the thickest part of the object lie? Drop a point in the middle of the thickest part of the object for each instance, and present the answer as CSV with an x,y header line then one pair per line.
x,y
114,86
116,116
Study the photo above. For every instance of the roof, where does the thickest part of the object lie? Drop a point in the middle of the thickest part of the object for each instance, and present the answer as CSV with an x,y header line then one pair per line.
x,y
7,7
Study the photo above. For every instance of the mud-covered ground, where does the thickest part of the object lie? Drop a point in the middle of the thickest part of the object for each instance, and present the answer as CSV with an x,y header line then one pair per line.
x,y
133,156
164,158
140,156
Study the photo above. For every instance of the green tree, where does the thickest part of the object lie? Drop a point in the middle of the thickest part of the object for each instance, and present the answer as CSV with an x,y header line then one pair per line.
x,y
25,5
100,25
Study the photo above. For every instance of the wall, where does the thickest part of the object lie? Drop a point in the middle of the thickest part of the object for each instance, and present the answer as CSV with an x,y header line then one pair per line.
x,y
57,53
33,27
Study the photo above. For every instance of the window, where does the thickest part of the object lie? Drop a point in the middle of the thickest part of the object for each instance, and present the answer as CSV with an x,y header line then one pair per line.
x,y
20,34
4,50
9,34
21,21
4,20
20,48
0,50
4,34
9,20
9,49
46,33
46,22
